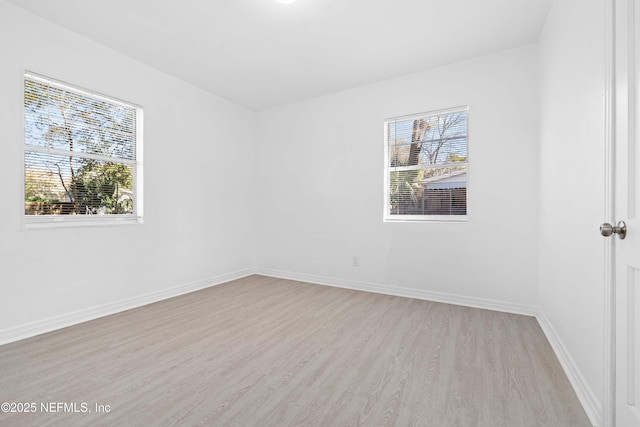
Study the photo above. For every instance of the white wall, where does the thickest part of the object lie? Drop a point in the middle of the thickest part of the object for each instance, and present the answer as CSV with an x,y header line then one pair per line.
x,y
196,150
571,53
311,192
320,185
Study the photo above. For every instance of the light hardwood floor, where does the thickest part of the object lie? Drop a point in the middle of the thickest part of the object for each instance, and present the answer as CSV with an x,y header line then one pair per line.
x,y
268,352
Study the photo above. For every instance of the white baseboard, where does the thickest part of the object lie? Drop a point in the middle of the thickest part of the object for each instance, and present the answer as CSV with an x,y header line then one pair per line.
x,y
585,395
577,381
398,291
57,322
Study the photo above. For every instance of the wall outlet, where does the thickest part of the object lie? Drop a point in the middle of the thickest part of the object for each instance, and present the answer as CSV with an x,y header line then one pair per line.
x,y
356,261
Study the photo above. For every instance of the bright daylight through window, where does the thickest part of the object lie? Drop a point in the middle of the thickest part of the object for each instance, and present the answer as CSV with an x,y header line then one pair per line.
x,y
426,165
82,155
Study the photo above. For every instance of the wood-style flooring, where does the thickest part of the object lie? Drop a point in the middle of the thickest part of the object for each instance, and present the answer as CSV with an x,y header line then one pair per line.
x,y
269,352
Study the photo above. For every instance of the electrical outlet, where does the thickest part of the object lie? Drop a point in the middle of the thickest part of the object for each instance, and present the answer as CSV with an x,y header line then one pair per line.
x,y
356,261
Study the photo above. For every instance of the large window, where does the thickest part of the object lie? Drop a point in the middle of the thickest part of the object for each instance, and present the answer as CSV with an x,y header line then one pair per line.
x,y
82,155
426,165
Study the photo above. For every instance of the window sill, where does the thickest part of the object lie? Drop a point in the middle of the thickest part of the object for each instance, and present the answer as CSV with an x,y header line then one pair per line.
x,y
73,221
426,218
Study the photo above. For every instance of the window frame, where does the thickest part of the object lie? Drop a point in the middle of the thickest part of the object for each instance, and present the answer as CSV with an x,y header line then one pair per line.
x,y
387,216
59,221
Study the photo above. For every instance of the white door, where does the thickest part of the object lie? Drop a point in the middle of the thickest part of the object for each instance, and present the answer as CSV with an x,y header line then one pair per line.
x,y
626,189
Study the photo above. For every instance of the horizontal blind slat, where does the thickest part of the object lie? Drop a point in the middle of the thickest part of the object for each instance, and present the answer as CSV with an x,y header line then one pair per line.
x,y
427,161
80,151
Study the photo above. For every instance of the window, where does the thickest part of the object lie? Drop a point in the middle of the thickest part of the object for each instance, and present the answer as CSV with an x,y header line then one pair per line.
x,y
426,165
82,156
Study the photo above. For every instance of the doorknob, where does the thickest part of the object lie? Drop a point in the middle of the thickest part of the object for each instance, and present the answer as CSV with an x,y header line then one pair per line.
x,y
620,229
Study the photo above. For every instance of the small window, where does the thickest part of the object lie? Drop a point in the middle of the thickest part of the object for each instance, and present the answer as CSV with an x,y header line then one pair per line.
x,y
82,155
426,165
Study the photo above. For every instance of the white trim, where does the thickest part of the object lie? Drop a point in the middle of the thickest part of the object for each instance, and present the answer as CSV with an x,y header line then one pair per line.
x,y
38,327
426,219
138,171
38,222
386,214
57,221
429,113
20,193
585,395
78,154
427,167
579,384
378,288
609,297
387,182
79,90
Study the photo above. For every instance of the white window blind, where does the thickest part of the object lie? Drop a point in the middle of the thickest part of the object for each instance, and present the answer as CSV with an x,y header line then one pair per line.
x,y
82,155
426,166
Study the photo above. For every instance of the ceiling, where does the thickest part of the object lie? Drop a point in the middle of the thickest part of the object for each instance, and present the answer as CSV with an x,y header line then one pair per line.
x,y
259,53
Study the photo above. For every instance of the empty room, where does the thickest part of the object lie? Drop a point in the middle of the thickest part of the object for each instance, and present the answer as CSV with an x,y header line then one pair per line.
x,y
319,213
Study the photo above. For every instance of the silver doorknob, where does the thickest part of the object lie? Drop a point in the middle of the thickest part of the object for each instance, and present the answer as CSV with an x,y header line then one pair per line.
x,y
620,229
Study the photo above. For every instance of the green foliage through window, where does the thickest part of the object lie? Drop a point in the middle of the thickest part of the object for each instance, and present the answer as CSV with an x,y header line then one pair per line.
x,y
80,151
